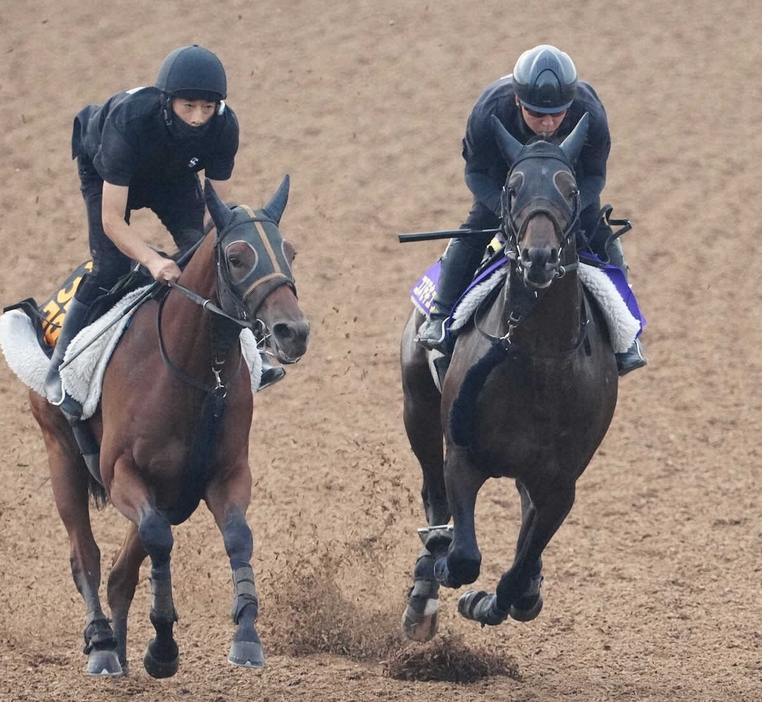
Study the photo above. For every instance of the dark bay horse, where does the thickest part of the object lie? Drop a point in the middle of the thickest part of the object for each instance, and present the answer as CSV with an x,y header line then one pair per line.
x,y
173,427
529,395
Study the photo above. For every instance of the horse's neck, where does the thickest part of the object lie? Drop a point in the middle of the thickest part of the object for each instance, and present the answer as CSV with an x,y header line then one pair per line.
x,y
186,326
549,321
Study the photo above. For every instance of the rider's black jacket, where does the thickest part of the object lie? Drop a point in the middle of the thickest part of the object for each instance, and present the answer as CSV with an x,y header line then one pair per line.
x,y
128,140
486,169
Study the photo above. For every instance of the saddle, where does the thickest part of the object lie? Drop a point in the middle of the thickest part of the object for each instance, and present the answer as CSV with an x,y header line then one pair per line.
x,y
605,282
49,316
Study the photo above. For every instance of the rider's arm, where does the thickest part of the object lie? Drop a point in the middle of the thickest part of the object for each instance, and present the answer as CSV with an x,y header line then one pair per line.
x,y
113,208
591,168
481,154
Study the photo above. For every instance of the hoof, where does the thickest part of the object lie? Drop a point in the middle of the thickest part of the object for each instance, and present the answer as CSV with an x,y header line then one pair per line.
x,y
481,607
160,667
104,663
247,654
526,610
421,626
529,605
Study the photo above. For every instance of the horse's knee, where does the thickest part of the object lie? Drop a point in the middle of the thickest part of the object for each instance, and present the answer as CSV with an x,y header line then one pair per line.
x,y
236,534
156,536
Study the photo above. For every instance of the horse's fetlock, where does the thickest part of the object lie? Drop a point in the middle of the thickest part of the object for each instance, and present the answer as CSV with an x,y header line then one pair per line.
x,y
99,635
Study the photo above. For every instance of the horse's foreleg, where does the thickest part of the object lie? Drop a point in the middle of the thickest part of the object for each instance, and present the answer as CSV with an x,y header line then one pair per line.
x,y
246,649
463,480
550,509
122,582
227,500
69,480
518,591
162,657
529,605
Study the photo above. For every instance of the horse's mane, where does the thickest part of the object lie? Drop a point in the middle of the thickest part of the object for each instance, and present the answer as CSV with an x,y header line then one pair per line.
x,y
463,419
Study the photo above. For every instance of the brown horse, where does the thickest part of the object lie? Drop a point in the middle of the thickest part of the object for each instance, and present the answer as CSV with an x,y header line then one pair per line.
x,y
173,428
529,394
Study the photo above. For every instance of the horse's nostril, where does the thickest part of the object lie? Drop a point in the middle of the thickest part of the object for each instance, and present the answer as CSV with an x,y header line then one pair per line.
x,y
283,331
291,331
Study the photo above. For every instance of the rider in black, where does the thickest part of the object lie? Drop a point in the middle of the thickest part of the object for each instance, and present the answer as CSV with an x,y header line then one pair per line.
x,y
542,97
144,148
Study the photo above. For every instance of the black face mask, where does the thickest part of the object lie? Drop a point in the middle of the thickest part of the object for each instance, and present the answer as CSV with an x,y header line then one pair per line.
x,y
182,130
178,129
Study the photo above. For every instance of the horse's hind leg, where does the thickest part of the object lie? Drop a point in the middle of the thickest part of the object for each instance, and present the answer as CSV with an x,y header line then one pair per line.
x,y
69,479
420,620
122,582
227,501
421,414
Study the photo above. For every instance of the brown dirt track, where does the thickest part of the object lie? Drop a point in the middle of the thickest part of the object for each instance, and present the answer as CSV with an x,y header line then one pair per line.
x,y
652,585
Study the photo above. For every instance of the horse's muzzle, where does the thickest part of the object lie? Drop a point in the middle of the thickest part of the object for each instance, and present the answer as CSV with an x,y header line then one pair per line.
x,y
541,265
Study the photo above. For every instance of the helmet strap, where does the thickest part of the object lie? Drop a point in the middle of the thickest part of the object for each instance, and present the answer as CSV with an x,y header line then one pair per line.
x,y
166,106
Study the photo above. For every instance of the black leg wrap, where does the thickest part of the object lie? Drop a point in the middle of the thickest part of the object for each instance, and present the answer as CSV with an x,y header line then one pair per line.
x,y
481,607
245,592
99,635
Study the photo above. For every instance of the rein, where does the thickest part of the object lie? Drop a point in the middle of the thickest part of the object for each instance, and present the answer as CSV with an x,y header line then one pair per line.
x,y
219,389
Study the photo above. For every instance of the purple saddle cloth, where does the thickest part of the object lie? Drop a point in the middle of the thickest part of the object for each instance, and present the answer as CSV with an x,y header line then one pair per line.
x,y
423,292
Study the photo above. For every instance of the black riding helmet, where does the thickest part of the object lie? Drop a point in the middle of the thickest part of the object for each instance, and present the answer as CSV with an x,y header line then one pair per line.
x,y
545,79
194,73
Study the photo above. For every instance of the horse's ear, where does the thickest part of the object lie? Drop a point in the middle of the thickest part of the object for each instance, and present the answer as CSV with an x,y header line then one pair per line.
x,y
275,207
573,144
221,213
509,146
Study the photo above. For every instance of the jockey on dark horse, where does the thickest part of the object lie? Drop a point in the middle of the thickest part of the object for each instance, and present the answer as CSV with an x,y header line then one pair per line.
x,y
542,97
144,148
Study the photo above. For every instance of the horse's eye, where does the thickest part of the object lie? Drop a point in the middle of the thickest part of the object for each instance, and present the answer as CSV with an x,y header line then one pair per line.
x,y
235,261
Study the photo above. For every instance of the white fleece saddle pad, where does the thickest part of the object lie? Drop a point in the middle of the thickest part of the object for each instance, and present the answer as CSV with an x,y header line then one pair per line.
x,y
83,377
623,325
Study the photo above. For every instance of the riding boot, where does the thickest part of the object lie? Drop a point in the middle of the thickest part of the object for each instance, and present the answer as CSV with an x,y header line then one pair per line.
x,y
633,358
74,322
270,374
459,263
